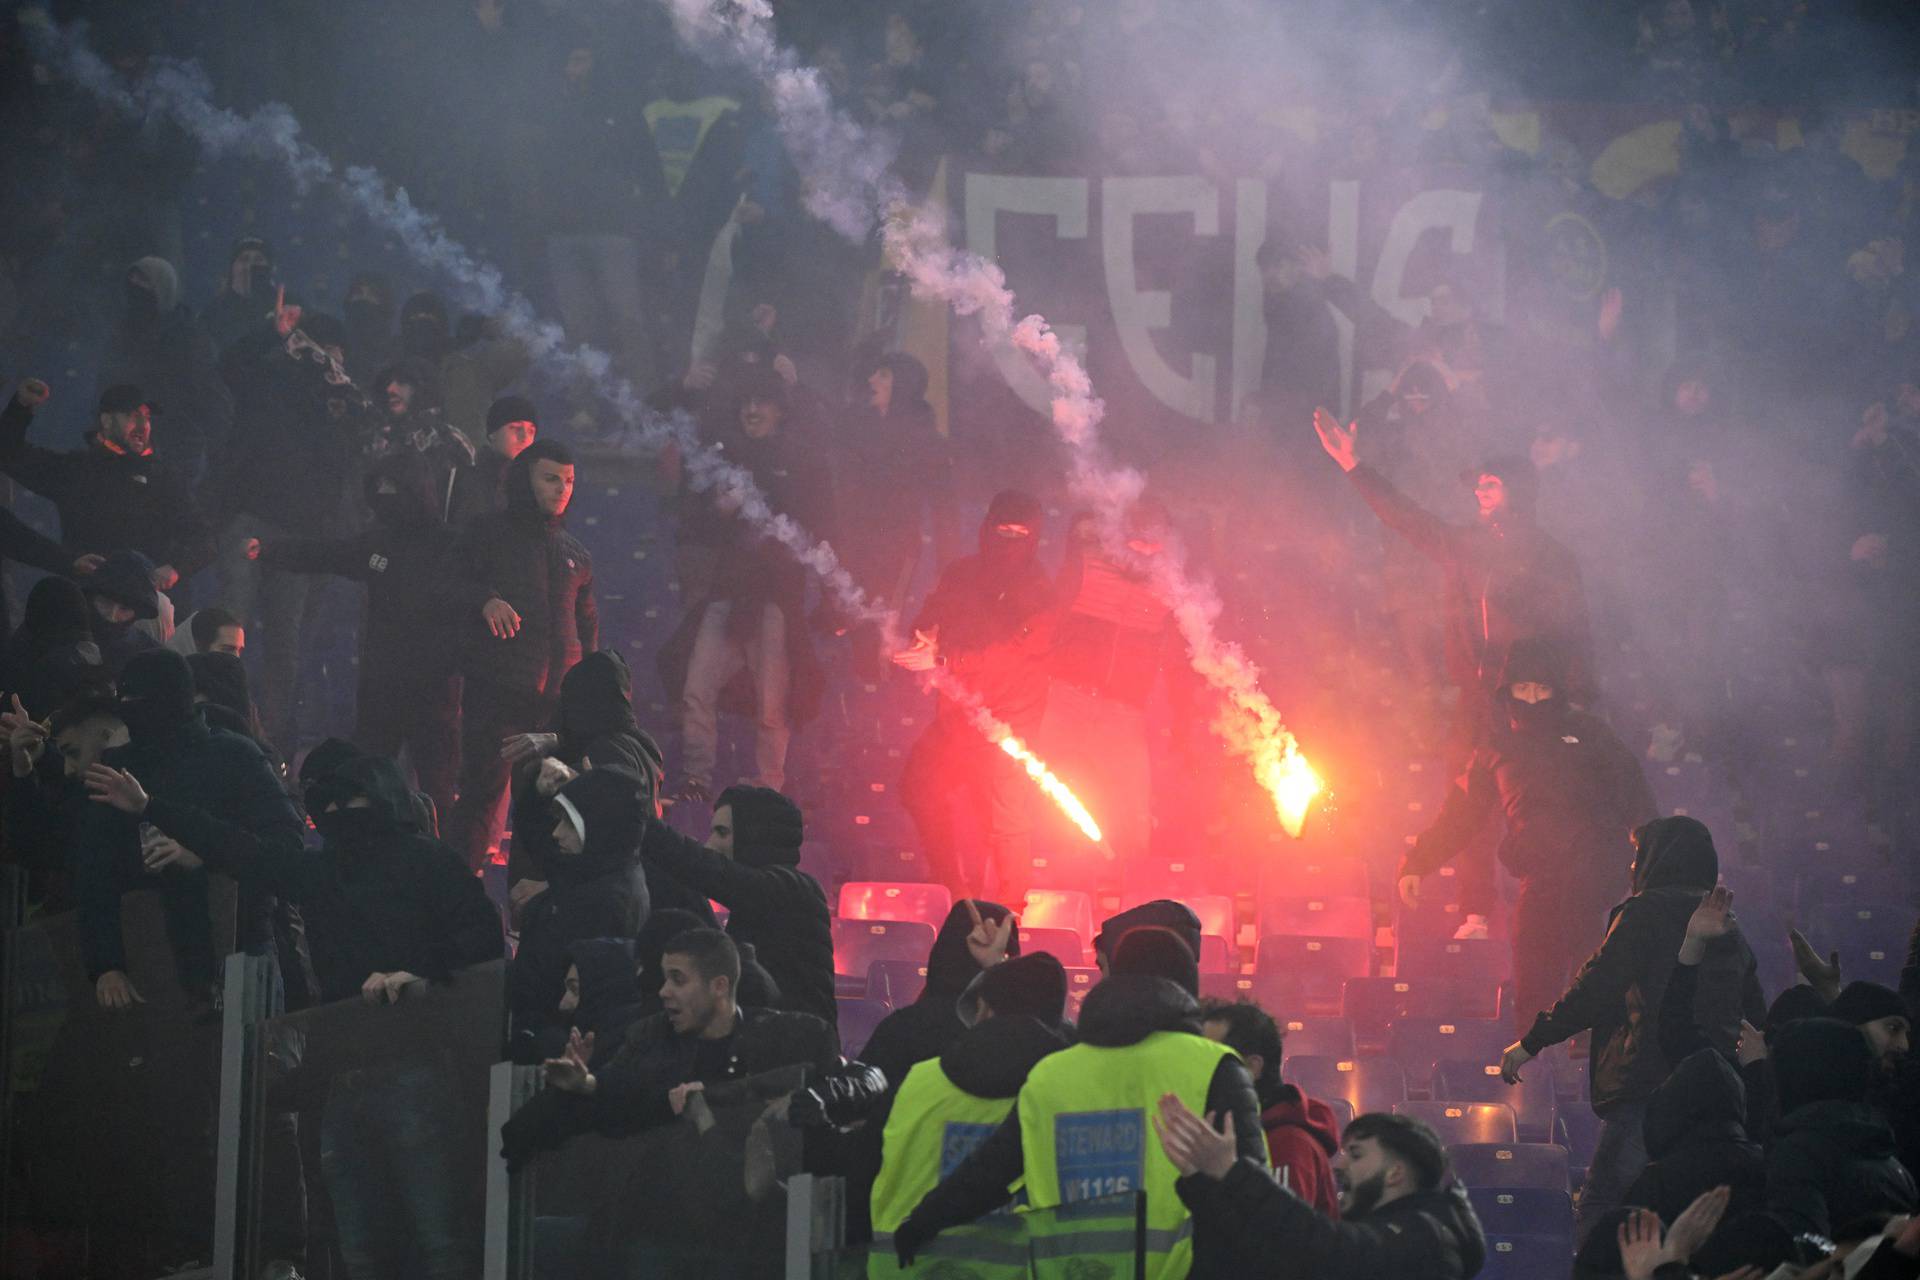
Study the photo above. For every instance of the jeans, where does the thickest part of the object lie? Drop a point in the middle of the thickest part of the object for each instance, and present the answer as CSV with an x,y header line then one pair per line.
x,y
488,712
286,606
1618,1157
596,284
953,765
717,658
390,1144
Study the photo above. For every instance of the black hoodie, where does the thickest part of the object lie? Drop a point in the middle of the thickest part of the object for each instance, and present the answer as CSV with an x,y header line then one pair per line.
x,y
1833,1158
599,892
527,558
377,897
896,468
1618,991
1569,788
1122,1010
1697,1140
53,655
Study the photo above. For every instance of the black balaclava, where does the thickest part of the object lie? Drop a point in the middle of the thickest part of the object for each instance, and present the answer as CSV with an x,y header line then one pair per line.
x,y
1675,853
424,331
390,811
909,382
1010,506
596,699
613,806
155,695
1821,1060
1154,952
221,679
1537,661
1862,1002
767,827
56,613
609,978
369,319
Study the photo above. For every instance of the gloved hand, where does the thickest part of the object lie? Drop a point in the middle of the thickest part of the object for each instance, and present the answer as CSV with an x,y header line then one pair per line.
x,y
909,1238
806,1109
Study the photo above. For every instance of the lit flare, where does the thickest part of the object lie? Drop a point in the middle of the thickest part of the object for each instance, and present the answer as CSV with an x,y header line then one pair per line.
x,y
1293,785
1057,791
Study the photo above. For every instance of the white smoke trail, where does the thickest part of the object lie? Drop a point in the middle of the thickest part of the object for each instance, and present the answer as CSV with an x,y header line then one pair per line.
x,y
844,174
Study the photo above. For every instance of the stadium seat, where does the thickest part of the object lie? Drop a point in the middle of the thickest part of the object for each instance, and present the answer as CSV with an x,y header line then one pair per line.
x,y
1527,1257
1213,954
1060,909
1215,912
1419,1043
1482,960
1079,982
896,982
1531,1099
1343,1114
1367,1084
858,1018
1579,1133
1064,945
859,944
1510,1164
1372,1004
1458,1122
1321,964
1528,1211
1241,986
1328,877
1323,1036
891,900
1331,917
1871,938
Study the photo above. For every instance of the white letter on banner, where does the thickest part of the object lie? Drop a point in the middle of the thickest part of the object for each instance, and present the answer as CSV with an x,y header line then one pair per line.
x,y
1249,295
1454,211
1135,312
988,196
1343,253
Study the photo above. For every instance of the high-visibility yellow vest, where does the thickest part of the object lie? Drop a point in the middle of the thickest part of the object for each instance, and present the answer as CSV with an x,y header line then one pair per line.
x,y
1088,1141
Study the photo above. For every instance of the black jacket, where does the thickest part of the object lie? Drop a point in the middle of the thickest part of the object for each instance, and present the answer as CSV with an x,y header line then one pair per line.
x,y
770,903
1697,1140
1832,1163
416,601
1618,991
527,558
293,442
209,771
996,620
1120,1011
53,655
480,489
397,902
994,1058
107,501
599,892
1429,1235
754,570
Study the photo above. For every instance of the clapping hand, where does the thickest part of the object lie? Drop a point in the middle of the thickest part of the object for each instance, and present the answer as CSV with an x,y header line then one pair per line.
x,y
1641,1252
1710,920
1193,1145
568,1072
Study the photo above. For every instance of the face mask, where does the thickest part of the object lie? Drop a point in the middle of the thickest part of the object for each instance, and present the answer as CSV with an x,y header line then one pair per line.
x,y
148,718
352,827
259,280
141,303
1538,716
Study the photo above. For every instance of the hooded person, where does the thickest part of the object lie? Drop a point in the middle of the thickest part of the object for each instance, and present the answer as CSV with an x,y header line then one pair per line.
x,y
1833,1158
512,423
917,1032
949,1104
1083,1114
410,419
121,595
1570,792
408,684
609,998
1402,1215
532,616
1503,578
1883,1015
162,347
750,864
595,888
990,621
1618,993
1160,913
118,491
220,687
173,755
212,630
53,655
1697,1140
244,300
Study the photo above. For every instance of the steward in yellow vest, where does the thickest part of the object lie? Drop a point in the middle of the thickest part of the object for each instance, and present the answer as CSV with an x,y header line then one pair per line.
x,y
1079,1133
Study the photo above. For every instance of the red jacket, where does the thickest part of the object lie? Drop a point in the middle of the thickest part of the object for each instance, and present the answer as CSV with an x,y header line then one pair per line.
x,y
1301,1134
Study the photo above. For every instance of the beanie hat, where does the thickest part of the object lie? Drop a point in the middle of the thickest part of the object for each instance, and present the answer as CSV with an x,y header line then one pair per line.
x,y
221,679
325,756
1821,1060
1162,912
1790,1006
1011,506
126,577
1155,952
510,409
1862,1002
155,692
1032,986
125,397
245,243
767,827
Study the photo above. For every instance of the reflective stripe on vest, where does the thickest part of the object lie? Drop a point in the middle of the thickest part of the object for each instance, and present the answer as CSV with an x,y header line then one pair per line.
x,y
933,1126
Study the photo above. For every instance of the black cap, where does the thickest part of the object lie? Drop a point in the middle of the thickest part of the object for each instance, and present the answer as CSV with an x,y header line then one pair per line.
x,y
124,397
1156,952
510,409
1032,986
126,577
1862,1002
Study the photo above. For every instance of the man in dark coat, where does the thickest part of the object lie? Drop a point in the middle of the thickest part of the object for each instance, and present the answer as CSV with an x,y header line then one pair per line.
x,y
161,346
53,655
750,864
176,756
409,685
595,888
989,620
120,597
1571,792
409,419
1833,1159
539,617
1618,992
1505,579
1696,1135
1401,1216
114,494
512,425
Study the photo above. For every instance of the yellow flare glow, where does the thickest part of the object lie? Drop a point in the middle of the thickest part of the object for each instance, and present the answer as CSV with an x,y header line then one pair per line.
x,y
1293,784
1057,791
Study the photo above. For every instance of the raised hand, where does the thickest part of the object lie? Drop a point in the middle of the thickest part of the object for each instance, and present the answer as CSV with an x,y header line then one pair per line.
x,y
1712,919
1695,1224
1752,1045
32,393
987,942
1410,892
516,747
1338,441
1824,976
1193,1145
924,655
285,318
117,787
1640,1250
569,1072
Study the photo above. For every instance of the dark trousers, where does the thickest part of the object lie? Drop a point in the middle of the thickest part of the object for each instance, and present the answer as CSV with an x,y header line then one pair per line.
x,y
419,711
953,764
1556,926
488,713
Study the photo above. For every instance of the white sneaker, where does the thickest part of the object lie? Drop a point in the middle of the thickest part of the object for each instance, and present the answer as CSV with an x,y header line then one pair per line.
x,y
1473,929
